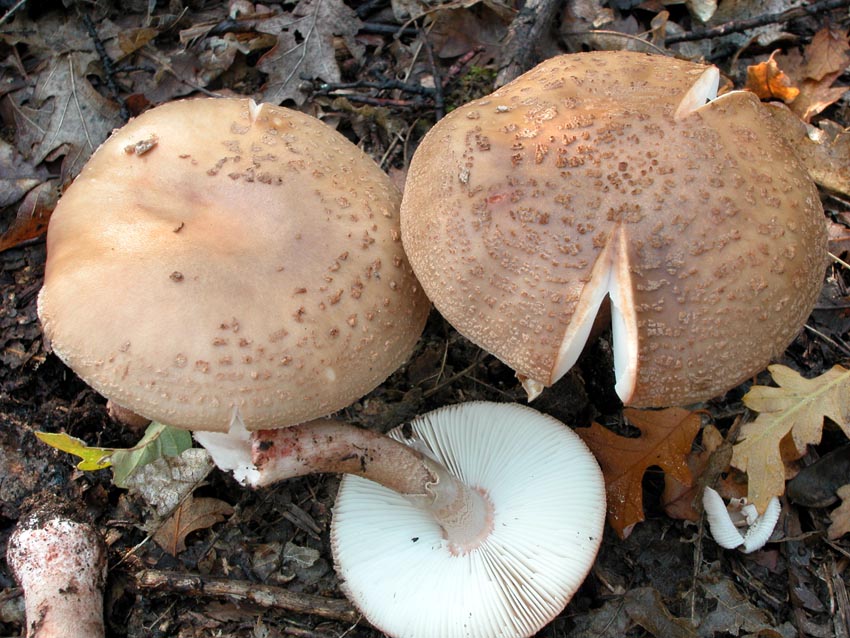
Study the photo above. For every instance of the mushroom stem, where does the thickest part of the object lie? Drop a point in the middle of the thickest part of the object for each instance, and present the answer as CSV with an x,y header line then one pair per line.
x,y
464,513
60,563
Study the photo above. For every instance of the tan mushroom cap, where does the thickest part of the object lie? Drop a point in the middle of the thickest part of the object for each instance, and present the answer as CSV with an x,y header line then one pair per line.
x,y
606,173
216,258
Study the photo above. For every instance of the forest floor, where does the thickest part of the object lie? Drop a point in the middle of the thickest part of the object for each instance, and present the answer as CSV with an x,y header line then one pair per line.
x,y
383,73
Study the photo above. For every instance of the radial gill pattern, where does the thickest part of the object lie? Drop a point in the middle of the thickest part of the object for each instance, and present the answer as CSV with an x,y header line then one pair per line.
x,y
549,503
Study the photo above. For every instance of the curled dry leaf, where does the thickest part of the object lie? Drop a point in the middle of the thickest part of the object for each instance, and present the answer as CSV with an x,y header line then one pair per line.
x,y
795,410
815,70
665,441
768,81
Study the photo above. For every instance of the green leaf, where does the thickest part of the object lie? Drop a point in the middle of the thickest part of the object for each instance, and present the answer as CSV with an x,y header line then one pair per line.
x,y
159,441
93,458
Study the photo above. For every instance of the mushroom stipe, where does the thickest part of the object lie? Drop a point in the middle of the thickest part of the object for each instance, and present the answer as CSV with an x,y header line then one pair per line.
x,y
474,520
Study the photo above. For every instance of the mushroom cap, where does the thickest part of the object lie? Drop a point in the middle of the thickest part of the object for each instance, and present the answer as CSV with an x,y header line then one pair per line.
x,y
548,498
218,259
606,173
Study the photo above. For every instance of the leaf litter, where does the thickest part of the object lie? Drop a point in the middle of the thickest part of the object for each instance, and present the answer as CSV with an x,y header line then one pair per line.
x,y
58,107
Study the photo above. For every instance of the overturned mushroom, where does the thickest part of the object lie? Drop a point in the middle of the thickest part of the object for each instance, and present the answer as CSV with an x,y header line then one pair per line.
x,y
726,521
475,520
220,262
619,175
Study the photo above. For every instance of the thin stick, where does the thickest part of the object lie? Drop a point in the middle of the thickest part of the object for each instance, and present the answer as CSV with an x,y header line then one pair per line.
x,y
828,339
838,260
736,26
267,596
11,11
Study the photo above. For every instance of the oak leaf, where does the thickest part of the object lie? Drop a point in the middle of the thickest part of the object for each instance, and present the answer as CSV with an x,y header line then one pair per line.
x,y
706,464
191,515
790,418
305,47
840,516
665,441
768,81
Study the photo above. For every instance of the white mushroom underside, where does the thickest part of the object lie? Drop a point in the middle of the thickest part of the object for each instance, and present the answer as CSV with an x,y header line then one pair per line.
x,y
610,276
549,505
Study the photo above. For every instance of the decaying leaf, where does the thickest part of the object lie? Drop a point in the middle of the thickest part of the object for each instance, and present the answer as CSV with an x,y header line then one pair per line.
x,y
17,176
795,410
768,81
817,484
840,516
828,52
305,47
163,483
680,500
159,441
665,441
191,515
733,614
65,116
33,215
642,606
816,95
815,70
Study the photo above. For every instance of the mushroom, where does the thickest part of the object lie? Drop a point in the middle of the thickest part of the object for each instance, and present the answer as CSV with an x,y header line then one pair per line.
x,y
725,521
237,270
475,520
219,262
59,560
618,175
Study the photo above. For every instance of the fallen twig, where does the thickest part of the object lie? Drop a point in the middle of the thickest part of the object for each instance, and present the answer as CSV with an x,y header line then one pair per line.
x,y
527,27
108,66
736,26
268,596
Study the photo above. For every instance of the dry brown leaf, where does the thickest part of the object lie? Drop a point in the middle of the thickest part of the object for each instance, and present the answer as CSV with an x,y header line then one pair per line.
x,y
768,81
828,52
796,410
17,176
840,516
712,458
814,71
64,116
816,95
32,217
190,516
665,441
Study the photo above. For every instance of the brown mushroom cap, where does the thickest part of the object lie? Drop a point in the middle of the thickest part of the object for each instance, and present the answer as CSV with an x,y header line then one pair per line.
x,y
216,258
606,173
